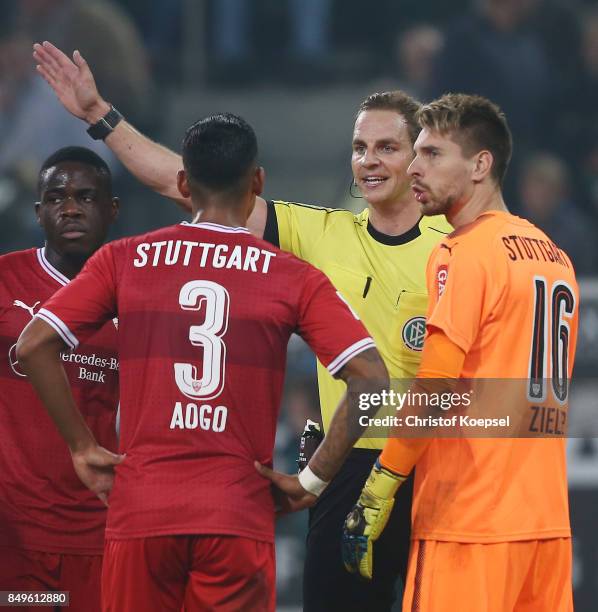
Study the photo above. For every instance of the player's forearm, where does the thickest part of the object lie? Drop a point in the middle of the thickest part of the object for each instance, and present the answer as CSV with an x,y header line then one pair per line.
x,y
151,163
42,364
346,425
401,454
335,447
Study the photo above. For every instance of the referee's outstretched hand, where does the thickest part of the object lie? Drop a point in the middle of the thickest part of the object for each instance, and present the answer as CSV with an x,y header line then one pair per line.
x,y
71,80
289,495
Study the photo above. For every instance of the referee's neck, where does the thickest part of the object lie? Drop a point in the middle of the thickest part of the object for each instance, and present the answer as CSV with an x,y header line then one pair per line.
x,y
394,220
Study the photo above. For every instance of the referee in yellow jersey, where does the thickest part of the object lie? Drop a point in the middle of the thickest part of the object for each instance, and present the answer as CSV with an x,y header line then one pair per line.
x,y
377,261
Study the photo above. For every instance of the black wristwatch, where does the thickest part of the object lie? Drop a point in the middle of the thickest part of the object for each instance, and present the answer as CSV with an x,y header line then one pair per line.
x,y
104,127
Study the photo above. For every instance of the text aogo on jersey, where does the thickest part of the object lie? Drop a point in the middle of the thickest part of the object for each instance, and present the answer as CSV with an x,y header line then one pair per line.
x,y
192,416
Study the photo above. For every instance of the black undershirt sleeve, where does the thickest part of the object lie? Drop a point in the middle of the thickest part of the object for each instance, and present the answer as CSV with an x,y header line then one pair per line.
x,y
271,229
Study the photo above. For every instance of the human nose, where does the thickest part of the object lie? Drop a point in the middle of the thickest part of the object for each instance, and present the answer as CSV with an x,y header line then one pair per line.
x,y
414,168
370,158
70,207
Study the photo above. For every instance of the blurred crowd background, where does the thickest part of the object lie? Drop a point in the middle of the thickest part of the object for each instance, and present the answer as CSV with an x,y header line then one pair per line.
x,y
297,70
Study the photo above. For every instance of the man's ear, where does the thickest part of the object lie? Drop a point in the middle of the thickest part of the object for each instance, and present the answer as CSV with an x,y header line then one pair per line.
x,y
36,206
259,179
115,208
182,184
482,166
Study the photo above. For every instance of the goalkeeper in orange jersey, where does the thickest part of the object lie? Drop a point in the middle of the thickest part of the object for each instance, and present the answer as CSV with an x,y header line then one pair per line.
x,y
490,516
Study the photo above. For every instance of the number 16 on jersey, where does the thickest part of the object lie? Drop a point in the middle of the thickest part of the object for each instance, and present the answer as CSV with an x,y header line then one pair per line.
x,y
550,319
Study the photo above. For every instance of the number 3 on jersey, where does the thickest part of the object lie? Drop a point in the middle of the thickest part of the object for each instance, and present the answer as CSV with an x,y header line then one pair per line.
x,y
550,319
214,299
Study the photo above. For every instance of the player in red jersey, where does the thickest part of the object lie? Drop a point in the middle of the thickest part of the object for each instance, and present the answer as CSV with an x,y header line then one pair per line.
x,y
205,313
51,526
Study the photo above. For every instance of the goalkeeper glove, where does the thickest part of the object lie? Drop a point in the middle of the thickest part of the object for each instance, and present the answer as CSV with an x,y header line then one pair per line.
x,y
366,521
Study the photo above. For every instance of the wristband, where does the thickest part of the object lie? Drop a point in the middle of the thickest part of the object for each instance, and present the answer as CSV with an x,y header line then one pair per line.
x,y
105,126
312,483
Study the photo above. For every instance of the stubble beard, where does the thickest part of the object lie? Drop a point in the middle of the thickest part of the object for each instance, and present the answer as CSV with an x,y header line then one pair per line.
x,y
435,207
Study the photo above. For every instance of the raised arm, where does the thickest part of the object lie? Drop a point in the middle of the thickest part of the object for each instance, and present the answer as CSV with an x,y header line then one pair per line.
x,y
75,87
151,163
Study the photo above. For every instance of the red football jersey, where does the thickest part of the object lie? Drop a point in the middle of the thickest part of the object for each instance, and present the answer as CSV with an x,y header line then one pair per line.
x,y
43,504
205,315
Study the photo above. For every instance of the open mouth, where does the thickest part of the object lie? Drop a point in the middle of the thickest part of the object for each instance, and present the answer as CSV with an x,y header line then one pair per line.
x,y
421,195
373,181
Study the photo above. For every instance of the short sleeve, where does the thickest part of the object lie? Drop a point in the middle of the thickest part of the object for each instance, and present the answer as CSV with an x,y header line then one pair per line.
x,y
328,324
86,303
458,287
300,227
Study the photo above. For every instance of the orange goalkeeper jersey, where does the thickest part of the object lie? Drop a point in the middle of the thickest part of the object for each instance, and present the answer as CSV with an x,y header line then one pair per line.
x,y
506,294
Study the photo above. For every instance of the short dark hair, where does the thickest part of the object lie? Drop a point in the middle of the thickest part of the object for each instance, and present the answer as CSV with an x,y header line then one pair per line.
x,y
399,102
80,155
219,151
475,123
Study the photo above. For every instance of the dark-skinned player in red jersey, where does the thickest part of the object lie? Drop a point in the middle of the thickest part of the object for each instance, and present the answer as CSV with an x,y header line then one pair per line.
x,y
51,526
205,314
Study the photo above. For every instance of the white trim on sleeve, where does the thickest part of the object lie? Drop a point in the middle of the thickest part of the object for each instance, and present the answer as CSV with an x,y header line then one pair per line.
x,y
338,362
49,269
61,329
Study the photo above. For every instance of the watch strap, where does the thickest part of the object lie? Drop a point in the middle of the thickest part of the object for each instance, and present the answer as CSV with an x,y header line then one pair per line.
x,y
105,126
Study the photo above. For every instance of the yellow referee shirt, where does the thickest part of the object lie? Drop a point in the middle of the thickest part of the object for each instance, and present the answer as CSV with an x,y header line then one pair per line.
x,y
382,277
